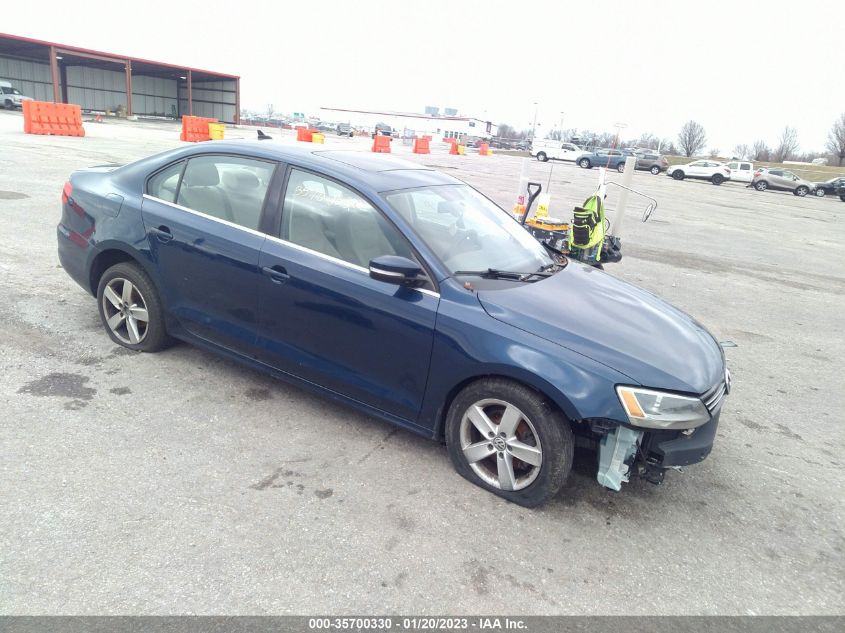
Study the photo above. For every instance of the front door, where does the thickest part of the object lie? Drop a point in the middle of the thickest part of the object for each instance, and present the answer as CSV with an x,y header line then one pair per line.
x,y
324,319
202,218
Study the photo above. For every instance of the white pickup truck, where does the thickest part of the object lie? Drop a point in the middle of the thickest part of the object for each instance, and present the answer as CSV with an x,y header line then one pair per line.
x,y
557,150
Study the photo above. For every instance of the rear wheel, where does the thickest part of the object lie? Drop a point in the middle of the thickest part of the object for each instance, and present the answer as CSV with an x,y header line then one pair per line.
x,y
717,179
620,167
130,308
541,156
820,192
801,191
655,170
842,198
506,438
761,185
678,174
585,163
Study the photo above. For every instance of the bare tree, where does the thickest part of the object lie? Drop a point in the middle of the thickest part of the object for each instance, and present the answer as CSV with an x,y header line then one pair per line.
x,y
742,151
760,151
692,138
787,145
836,139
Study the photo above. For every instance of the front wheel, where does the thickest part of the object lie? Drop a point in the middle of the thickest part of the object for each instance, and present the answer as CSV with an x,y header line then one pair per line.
x,y
130,308
678,174
541,156
801,191
655,170
506,438
620,167
9,105
761,185
820,193
717,179
584,163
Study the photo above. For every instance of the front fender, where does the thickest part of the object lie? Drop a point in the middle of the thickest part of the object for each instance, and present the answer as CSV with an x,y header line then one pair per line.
x,y
469,345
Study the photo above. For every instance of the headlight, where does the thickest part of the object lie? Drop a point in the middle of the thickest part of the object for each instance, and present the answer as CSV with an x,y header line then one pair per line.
x,y
661,410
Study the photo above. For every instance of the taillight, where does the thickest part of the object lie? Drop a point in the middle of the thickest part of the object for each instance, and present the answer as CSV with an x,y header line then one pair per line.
x,y
66,191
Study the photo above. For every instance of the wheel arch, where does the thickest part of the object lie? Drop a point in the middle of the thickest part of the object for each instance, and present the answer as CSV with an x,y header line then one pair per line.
x,y
557,399
109,254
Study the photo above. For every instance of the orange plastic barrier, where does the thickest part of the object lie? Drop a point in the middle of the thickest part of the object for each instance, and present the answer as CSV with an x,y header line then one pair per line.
x,y
304,134
59,119
381,144
195,128
484,149
453,149
421,146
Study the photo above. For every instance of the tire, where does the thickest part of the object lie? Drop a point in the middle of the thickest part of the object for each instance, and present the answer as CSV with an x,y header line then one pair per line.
x,y
133,302
585,163
9,105
819,193
655,170
801,191
541,156
538,430
678,174
761,185
842,198
620,167
717,179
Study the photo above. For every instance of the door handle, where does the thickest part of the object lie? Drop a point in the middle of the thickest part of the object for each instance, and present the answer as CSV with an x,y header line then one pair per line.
x,y
276,273
162,233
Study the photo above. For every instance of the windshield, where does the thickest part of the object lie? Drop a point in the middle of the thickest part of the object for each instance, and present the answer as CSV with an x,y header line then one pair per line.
x,y
11,91
466,231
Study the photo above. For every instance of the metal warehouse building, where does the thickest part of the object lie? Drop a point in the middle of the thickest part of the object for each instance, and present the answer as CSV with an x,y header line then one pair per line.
x,y
103,82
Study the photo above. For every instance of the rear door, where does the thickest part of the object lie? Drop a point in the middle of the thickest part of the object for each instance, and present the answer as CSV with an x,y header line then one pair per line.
x,y
202,218
698,169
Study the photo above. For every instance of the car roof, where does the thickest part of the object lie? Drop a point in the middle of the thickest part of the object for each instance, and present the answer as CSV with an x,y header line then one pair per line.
x,y
380,172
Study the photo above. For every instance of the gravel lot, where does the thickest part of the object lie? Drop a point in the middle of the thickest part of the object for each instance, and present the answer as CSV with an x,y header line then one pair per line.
x,y
183,483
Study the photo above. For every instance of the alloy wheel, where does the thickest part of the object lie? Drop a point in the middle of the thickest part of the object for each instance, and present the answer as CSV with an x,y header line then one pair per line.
x,y
501,444
126,311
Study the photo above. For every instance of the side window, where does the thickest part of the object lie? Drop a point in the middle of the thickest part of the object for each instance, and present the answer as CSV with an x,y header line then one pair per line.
x,y
163,184
226,187
329,218
745,167
733,165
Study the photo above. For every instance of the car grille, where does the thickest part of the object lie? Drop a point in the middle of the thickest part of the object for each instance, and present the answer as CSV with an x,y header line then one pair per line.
x,y
713,397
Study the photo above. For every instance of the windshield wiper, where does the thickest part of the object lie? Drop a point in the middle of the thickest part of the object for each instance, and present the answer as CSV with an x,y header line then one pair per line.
x,y
492,273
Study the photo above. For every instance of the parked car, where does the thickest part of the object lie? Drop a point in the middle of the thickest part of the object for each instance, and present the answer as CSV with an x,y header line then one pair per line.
x,y
828,187
400,291
344,129
11,97
603,157
384,129
711,170
741,170
840,191
651,161
546,149
782,180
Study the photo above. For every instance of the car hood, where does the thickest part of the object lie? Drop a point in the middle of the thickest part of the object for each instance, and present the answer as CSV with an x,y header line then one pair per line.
x,y
615,323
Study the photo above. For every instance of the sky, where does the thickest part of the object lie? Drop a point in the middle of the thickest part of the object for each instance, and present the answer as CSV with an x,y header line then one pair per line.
x,y
742,70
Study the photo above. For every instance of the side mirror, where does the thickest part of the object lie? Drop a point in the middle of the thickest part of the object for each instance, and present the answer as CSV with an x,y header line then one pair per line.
x,y
393,269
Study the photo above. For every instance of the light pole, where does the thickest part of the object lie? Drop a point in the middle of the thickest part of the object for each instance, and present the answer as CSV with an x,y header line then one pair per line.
x,y
618,126
561,125
534,125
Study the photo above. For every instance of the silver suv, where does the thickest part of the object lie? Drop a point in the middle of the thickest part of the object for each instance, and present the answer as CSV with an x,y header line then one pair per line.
x,y
781,179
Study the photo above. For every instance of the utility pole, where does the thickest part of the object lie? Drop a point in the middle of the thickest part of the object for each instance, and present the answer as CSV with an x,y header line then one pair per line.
x,y
561,125
534,125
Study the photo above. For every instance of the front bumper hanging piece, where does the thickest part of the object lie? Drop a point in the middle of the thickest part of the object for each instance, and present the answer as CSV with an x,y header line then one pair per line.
x,y
617,451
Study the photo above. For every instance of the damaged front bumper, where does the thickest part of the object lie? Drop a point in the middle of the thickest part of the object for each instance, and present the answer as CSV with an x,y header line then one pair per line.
x,y
625,451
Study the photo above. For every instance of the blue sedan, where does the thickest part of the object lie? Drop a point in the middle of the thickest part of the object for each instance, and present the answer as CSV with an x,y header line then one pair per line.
x,y
403,292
